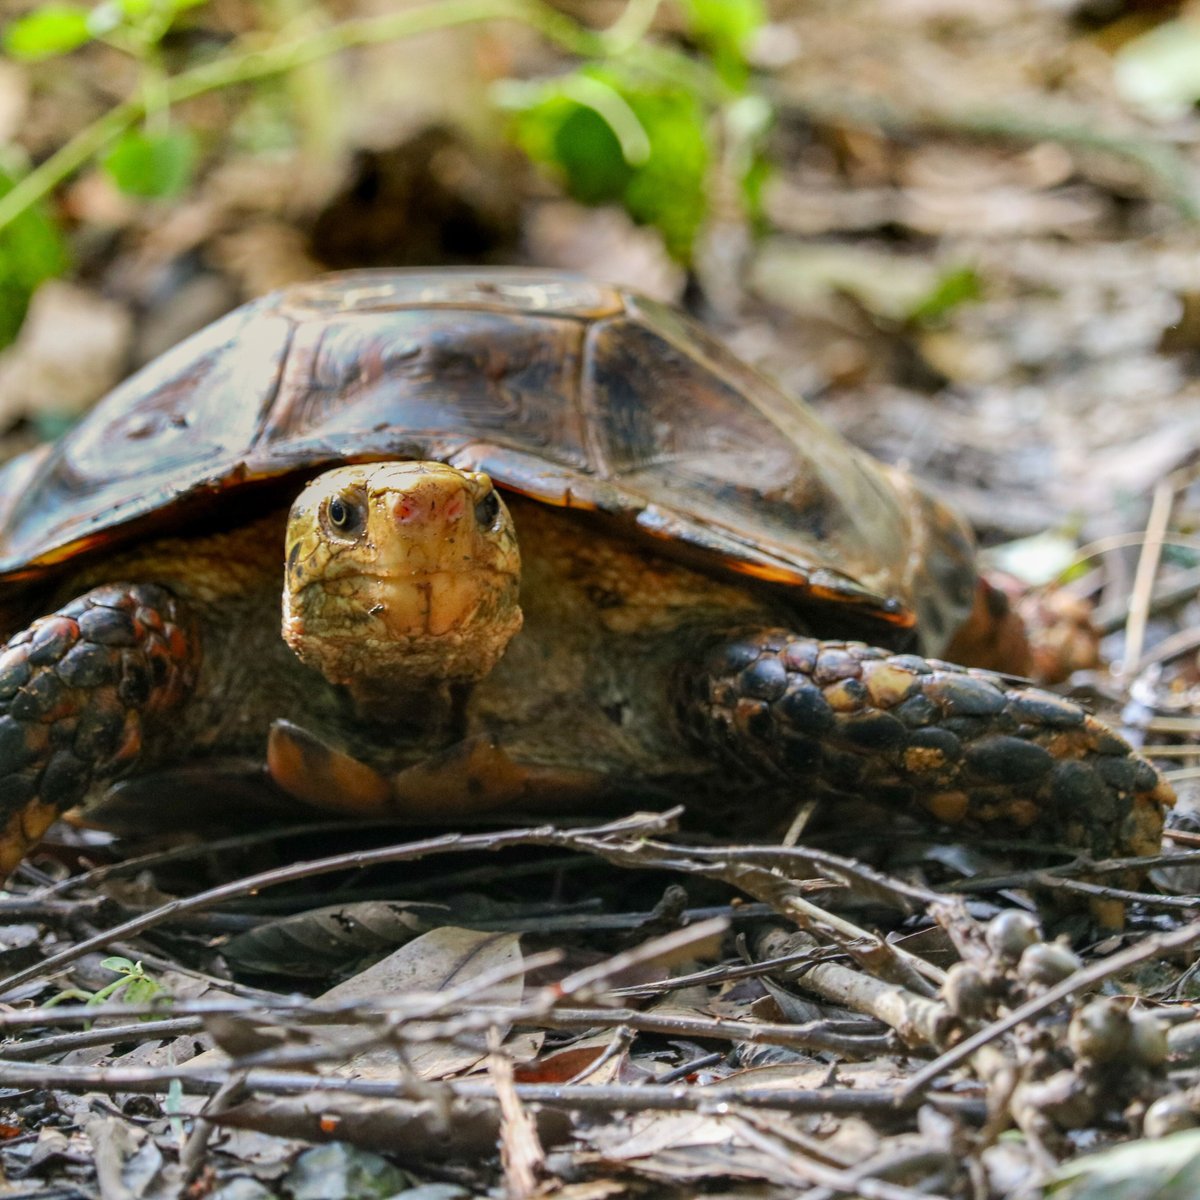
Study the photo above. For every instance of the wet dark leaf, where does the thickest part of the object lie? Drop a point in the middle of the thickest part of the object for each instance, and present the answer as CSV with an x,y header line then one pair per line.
x,y
319,943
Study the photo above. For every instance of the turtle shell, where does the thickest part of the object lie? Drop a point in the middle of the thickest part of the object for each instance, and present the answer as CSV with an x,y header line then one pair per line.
x,y
565,390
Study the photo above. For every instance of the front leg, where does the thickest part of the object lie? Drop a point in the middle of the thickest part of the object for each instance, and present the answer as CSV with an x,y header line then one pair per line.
x,y
76,689
840,717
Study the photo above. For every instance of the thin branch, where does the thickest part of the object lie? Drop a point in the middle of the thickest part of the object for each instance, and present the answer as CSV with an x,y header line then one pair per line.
x,y
545,835
586,1097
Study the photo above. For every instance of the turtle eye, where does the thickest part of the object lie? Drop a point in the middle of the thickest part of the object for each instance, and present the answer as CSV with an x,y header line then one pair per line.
x,y
344,516
487,510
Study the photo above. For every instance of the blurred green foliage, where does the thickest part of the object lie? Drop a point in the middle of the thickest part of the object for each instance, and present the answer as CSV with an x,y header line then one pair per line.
x,y
48,31
31,250
613,133
135,26
152,165
957,286
725,28
663,127
610,136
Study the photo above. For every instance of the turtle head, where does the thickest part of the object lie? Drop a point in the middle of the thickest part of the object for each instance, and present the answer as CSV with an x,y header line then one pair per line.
x,y
400,573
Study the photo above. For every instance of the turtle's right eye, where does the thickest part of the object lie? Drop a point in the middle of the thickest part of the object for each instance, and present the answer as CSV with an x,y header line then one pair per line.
x,y
344,516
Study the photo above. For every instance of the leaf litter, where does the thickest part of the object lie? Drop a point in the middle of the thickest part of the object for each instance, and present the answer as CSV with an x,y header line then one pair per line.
x,y
981,266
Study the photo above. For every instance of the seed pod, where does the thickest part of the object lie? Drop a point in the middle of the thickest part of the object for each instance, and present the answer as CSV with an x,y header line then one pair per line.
x,y
1147,1040
1047,963
1168,1114
965,991
1099,1032
1010,932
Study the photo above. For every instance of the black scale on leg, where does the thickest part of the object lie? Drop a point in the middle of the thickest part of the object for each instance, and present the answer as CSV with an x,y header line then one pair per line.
x,y
75,689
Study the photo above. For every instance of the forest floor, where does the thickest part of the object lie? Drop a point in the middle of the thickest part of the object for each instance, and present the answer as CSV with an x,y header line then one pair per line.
x,y
977,257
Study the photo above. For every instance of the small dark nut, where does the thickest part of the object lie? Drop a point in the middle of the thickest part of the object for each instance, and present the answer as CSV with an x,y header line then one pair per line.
x,y
1047,963
1010,932
965,991
1168,1114
1099,1032
1147,1040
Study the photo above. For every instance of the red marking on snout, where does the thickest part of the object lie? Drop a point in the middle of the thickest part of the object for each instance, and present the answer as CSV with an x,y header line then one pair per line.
x,y
422,508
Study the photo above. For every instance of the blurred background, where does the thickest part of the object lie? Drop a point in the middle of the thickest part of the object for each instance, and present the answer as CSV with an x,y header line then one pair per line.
x,y
966,230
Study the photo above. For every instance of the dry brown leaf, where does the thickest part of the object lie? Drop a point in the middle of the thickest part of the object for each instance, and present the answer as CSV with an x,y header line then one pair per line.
x,y
441,959
574,1063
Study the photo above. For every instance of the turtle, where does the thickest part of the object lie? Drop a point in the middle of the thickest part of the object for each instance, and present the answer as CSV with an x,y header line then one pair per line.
x,y
451,542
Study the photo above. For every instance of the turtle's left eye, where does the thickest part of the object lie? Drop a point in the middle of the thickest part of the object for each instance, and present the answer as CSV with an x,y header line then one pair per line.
x,y
345,517
487,510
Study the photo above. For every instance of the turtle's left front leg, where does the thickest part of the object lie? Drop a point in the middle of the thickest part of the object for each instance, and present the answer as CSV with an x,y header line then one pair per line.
x,y
77,688
841,717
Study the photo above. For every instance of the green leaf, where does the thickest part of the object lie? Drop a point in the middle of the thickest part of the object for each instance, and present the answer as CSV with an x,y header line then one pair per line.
x,y
31,251
152,165
615,138
724,28
587,150
1166,1168
670,191
958,286
48,31
115,962
141,990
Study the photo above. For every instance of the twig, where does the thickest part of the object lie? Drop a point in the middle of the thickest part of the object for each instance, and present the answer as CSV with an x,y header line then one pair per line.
x,y
193,1152
735,866
142,862
588,1097
1125,895
815,1036
1080,866
1147,568
521,1153
546,835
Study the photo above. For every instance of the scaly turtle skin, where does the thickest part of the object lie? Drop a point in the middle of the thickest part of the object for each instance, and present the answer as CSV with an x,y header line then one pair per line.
x,y
644,616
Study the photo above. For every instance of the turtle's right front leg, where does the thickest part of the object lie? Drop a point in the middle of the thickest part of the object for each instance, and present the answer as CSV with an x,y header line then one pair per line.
x,y
76,688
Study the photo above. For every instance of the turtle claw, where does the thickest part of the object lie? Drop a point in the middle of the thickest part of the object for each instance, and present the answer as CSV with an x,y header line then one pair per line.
x,y
474,776
311,770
